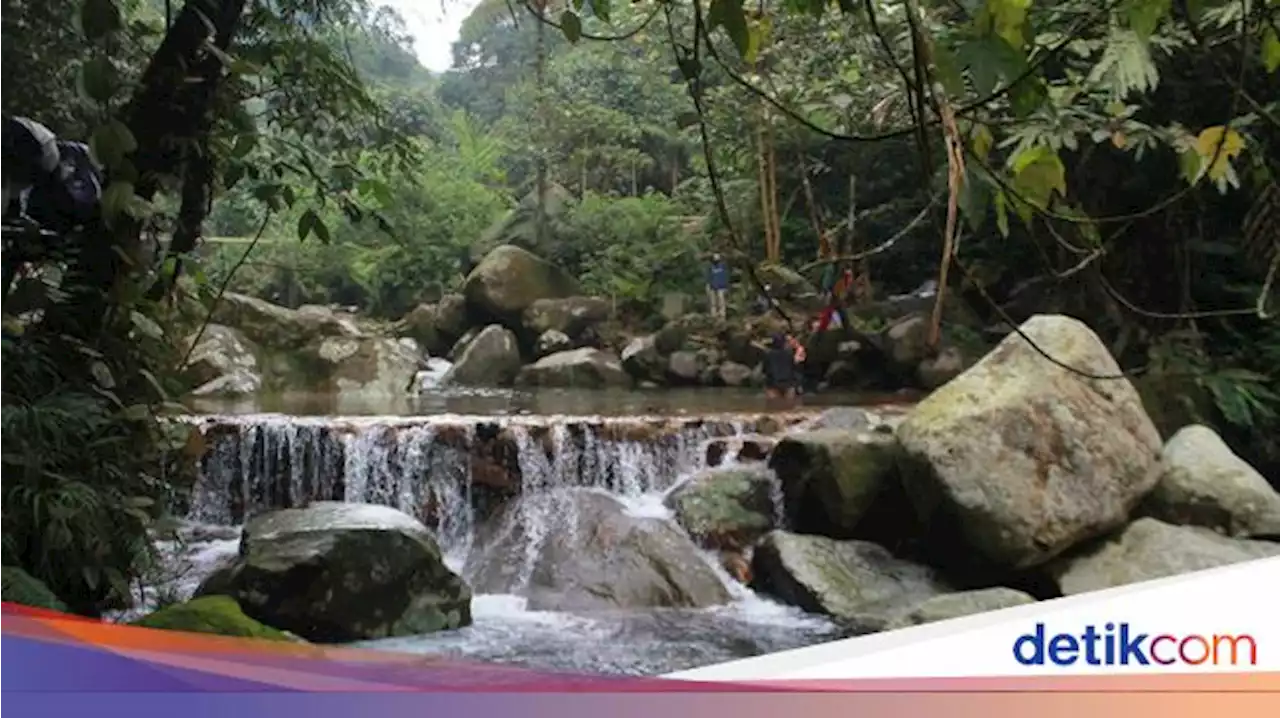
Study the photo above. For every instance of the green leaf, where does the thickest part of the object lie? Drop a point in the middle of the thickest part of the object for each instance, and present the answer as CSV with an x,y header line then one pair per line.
x,y
1027,96
571,26
136,412
1037,173
974,198
307,224
116,199
601,9
1271,49
1002,213
1145,15
982,141
99,18
1006,19
98,78
112,142
244,144
102,375
947,68
728,14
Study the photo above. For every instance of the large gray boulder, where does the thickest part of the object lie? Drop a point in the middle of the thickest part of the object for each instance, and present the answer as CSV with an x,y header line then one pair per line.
x,y
509,280
584,368
858,582
1203,483
338,572
372,365
578,549
270,325
492,358
1018,459
1148,549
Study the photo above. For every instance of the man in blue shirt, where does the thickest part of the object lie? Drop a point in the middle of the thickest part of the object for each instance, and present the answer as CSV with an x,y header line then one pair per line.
x,y
717,286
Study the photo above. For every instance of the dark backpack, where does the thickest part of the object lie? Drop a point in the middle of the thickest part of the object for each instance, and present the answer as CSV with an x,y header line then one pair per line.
x,y
68,196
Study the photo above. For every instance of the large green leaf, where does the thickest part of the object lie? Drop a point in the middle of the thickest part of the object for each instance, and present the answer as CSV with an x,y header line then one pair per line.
x,y
1145,15
728,14
1037,173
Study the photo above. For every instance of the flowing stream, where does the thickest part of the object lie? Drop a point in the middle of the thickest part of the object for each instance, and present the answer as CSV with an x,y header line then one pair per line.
x,y
450,470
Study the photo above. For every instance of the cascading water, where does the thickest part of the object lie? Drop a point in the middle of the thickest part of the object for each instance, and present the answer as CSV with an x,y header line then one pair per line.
x,y
454,472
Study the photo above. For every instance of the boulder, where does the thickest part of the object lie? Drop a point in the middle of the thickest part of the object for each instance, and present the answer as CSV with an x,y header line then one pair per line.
x,y
380,366
578,368
685,368
570,316
451,317
277,327
339,572
961,603
726,508
509,280
224,362
907,341
579,549
933,372
643,361
491,359
551,342
854,581
219,615
732,374
831,478
1017,459
1148,549
463,342
1203,483
420,324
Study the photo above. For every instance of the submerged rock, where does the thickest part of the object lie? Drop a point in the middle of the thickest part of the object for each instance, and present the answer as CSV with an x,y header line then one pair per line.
x,y
1203,483
580,550
1017,459
219,615
725,508
858,582
1149,549
338,572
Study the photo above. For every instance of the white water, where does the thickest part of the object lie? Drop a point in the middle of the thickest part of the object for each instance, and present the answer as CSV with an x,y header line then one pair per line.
x,y
428,467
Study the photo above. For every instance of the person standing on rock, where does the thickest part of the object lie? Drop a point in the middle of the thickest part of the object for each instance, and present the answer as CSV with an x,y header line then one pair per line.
x,y
717,286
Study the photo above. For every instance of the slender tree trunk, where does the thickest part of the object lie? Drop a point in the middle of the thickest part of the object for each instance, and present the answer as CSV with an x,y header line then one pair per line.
x,y
540,225
771,162
763,182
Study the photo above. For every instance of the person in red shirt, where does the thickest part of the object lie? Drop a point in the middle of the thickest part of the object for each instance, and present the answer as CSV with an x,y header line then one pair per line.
x,y
838,295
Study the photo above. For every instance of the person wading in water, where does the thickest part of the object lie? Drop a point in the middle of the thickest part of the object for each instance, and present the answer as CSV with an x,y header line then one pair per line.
x,y
781,367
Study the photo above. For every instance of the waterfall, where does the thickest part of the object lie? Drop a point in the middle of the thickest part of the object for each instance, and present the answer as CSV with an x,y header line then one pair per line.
x,y
448,471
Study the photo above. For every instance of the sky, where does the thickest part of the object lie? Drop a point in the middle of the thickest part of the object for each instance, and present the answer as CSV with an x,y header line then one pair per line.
x,y
434,25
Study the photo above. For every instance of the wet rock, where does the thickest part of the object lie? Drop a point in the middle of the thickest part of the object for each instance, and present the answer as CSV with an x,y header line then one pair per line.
x,y
451,317
218,615
463,342
339,572
420,324
725,508
551,342
962,603
1148,549
571,316
907,341
843,417
509,280
491,359
581,550
578,368
831,478
1203,483
855,581
1016,460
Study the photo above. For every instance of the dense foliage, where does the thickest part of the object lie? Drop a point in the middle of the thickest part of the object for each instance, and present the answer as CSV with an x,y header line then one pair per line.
x,y
1113,159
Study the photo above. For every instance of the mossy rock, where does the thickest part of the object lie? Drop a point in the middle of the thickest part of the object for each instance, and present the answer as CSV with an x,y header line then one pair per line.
x,y
22,588
219,615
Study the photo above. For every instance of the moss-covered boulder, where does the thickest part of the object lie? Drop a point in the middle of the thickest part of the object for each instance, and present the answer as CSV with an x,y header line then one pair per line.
x,y
338,572
726,508
219,615
961,603
509,280
831,478
1018,459
22,588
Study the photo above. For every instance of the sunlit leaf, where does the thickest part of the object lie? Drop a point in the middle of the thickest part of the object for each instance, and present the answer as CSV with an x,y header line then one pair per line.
x,y
982,140
1037,173
1218,145
1145,15
1271,49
